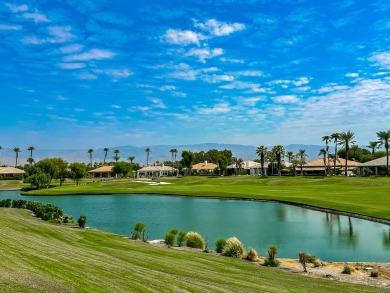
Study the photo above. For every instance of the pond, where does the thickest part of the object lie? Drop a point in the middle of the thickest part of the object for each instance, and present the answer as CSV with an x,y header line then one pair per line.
x,y
257,224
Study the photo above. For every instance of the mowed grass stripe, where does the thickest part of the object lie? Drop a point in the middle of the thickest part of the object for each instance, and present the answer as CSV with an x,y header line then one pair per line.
x,y
43,257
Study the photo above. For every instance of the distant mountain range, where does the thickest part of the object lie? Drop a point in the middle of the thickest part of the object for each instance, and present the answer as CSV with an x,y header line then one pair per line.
x,y
158,152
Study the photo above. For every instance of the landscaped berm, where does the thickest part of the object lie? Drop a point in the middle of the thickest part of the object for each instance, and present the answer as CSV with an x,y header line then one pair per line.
x,y
37,256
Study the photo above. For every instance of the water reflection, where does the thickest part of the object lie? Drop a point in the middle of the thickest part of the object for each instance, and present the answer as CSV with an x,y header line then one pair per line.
x,y
343,231
386,239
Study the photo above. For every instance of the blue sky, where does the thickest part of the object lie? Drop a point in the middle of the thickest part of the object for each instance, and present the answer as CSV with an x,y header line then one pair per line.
x,y
81,73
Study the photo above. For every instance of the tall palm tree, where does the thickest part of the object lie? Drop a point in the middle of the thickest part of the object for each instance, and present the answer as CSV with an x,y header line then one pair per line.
x,y
335,136
147,150
346,139
116,157
354,150
131,159
31,149
30,160
0,150
172,151
261,151
384,138
302,159
271,157
175,154
323,153
90,151
279,153
290,155
327,139
105,155
17,151
373,145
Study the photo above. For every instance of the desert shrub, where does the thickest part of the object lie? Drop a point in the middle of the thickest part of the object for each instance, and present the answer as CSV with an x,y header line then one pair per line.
x,y
195,240
219,244
5,203
252,255
174,231
271,260
348,270
317,263
169,239
82,220
374,274
233,248
139,231
181,238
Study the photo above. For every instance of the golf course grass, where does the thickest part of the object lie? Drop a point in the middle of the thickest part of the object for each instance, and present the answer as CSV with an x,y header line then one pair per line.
x,y
37,256
368,196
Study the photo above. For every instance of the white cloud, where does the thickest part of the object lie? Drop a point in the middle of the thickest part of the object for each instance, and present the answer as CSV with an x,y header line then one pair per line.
x,y
114,73
9,27
217,78
231,60
216,109
252,101
71,65
217,28
35,16
301,81
286,99
17,8
157,103
352,74
179,37
93,54
61,98
79,109
249,73
204,53
60,34
71,49
382,59
87,76
239,85
116,107
167,88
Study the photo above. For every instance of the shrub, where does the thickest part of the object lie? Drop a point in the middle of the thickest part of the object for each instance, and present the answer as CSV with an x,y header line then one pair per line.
x,y
374,274
169,239
174,231
139,231
5,203
181,238
252,255
219,244
233,248
271,261
195,240
348,270
82,220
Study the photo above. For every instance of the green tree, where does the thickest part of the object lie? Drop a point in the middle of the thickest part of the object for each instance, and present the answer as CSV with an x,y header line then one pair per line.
x,y
346,139
289,155
271,157
122,168
279,152
323,153
261,152
39,180
105,155
327,139
0,150
187,159
17,151
30,161
384,138
31,149
131,159
147,150
373,145
90,151
223,163
335,137
116,157
78,171
56,168
302,159
82,221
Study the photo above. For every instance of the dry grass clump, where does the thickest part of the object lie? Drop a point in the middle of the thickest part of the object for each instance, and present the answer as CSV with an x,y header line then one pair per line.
x,y
233,248
348,269
252,255
374,274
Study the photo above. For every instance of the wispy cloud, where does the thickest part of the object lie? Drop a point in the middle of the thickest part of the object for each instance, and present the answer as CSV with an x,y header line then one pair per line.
x,y
157,103
35,16
71,65
93,54
182,37
381,59
73,48
59,34
10,27
286,99
215,78
216,109
204,53
217,28
16,8
114,73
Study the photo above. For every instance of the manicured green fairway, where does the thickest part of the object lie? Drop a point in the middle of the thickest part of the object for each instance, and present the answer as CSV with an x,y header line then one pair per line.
x,y
365,196
40,257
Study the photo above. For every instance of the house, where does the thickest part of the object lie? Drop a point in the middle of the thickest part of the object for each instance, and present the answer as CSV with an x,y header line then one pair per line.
x,y
155,171
317,166
373,164
245,165
102,172
255,170
204,168
11,172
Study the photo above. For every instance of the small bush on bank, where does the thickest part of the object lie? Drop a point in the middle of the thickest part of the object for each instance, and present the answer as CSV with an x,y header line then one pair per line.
x,y
374,274
233,248
181,238
169,239
252,255
271,260
219,245
82,220
5,203
348,270
139,231
174,231
195,240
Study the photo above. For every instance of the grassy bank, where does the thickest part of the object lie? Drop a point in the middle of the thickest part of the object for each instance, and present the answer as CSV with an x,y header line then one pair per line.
x,y
40,257
365,196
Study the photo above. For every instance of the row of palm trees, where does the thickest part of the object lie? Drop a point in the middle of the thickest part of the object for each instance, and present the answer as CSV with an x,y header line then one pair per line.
x,y
17,150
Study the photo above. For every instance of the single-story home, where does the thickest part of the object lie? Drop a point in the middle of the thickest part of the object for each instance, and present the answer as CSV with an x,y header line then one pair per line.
x,y
101,172
373,164
11,172
317,165
155,171
204,168
255,170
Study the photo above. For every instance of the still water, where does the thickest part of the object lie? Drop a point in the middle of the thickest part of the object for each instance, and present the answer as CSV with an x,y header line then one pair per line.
x,y
257,224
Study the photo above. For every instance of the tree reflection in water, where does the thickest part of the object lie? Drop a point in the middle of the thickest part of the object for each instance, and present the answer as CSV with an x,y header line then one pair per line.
x,y
346,236
386,239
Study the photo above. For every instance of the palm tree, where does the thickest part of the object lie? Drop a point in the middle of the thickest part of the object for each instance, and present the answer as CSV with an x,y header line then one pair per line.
x,y
147,150
30,161
384,138
279,154
105,155
31,149
172,151
261,151
302,159
271,157
355,150
0,150
131,159
346,139
327,139
335,136
323,153
17,151
90,151
116,157
290,155
373,145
